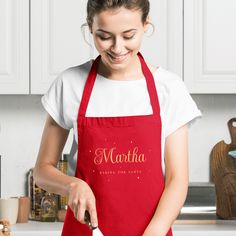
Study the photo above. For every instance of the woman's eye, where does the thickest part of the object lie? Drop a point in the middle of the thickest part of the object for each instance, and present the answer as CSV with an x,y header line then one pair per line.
x,y
130,37
108,38
104,38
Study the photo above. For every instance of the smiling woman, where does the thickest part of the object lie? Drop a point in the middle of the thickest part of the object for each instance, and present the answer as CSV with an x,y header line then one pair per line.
x,y
119,45
128,118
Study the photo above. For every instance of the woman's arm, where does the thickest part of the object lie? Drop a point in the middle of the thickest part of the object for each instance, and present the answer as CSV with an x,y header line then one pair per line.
x,y
176,183
48,177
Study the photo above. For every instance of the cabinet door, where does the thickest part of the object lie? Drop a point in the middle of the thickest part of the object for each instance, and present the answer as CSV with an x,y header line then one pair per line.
x,y
57,42
210,46
14,47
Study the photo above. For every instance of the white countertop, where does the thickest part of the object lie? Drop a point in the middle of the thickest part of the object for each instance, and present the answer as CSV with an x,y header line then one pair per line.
x,y
221,228
35,228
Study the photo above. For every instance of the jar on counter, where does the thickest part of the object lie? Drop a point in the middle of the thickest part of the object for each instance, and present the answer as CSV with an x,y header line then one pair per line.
x,y
49,208
36,194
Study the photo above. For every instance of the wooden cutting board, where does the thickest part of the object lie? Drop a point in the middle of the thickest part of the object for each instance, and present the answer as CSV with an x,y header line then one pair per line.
x,y
220,151
223,174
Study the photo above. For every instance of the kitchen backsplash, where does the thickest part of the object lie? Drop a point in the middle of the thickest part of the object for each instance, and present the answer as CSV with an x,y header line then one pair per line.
x,y
22,120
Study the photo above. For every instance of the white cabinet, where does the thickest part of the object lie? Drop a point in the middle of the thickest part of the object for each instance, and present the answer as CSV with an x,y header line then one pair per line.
x,y
56,41
14,47
210,46
34,53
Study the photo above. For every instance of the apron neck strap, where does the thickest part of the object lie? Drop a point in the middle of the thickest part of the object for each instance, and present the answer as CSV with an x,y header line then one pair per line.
x,y
150,85
92,77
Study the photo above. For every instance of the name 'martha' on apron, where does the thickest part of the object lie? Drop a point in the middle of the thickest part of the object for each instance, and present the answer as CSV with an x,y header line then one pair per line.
x,y
120,159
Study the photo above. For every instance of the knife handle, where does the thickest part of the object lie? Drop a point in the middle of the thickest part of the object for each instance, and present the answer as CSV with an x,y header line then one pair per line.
x,y
87,220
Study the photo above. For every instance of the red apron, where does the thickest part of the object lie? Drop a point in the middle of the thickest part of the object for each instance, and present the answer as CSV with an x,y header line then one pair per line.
x,y
120,159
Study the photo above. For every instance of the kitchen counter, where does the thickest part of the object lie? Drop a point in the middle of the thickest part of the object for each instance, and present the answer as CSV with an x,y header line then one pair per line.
x,y
35,228
221,228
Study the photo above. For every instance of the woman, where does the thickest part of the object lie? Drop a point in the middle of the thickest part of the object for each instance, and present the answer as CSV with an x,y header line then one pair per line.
x,y
130,119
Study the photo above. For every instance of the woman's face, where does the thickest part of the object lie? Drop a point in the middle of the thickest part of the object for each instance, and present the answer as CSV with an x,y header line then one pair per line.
x,y
118,35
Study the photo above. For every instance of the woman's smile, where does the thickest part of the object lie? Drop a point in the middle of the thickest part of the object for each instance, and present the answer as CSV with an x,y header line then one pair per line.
x,y
118,58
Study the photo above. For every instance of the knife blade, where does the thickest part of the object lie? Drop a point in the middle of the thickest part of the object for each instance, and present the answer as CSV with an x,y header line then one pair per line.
x,y
96,230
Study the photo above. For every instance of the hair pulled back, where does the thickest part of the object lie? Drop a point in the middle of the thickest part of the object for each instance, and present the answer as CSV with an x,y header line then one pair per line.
x,y
97,6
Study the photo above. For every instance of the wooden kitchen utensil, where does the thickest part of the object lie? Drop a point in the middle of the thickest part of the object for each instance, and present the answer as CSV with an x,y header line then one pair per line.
x,y
223,174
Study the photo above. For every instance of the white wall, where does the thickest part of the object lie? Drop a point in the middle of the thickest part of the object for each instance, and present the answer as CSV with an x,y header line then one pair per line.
x,y
21,125
22,120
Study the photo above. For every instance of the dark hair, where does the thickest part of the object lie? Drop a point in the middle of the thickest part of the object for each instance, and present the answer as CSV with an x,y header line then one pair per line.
x,y
96,6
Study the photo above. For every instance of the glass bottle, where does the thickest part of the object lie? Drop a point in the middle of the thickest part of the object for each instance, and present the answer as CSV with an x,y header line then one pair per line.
x,y
63,167
31,194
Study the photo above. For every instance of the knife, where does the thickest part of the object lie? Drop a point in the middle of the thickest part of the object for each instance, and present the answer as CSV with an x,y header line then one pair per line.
x,y
96,230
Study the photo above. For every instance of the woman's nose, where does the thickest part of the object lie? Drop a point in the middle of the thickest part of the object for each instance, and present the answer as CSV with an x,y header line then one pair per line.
x,y
117,46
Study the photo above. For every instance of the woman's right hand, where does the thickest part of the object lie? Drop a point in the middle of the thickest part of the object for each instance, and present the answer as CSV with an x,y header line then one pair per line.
x,y
81,198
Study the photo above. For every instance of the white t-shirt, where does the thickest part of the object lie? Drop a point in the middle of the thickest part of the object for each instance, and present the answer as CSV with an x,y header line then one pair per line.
x,y
118,98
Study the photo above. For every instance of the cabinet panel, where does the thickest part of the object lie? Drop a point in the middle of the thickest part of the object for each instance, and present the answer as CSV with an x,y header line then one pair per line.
x,y
210,46
14,47
57,42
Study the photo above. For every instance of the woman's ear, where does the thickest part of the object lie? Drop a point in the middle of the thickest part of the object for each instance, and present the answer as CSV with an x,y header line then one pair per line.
x,y
147,22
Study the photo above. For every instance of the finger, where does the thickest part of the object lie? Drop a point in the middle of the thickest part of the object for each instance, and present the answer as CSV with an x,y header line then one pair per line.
x,y
80,213
93,214
74,207
94,220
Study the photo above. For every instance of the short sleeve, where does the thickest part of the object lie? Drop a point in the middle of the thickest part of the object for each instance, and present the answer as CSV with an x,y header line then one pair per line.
x,y
54,102
181,108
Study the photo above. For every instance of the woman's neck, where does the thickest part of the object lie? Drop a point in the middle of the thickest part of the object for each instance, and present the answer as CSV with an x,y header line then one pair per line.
x,y
132,72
